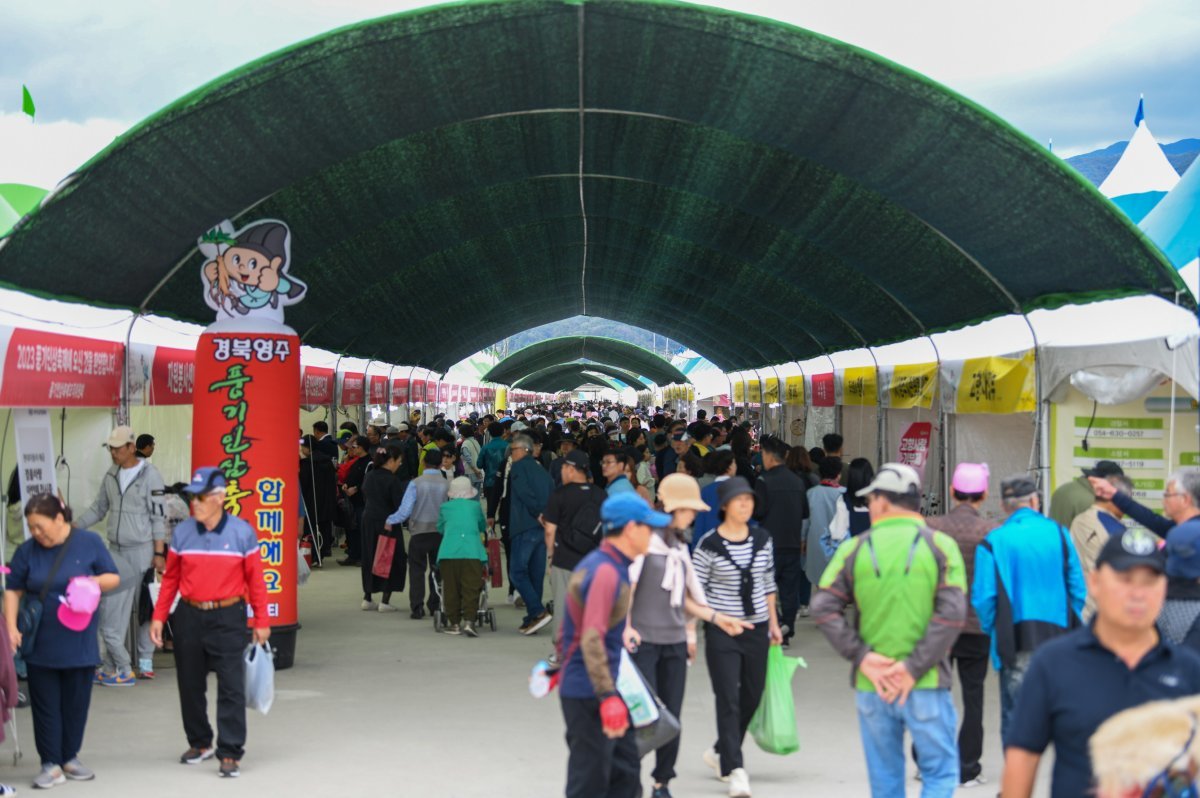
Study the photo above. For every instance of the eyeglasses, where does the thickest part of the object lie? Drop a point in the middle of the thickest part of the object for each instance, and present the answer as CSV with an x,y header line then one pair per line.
x,y
1169,493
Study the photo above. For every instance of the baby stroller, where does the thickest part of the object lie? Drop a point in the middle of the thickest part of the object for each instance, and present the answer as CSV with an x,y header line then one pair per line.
x,y
484,616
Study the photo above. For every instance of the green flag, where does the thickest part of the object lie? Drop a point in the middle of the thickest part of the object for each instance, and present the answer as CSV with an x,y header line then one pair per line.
x,y
27,102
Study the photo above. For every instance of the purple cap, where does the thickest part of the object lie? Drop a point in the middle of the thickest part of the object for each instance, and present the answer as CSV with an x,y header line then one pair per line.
x,y
971,478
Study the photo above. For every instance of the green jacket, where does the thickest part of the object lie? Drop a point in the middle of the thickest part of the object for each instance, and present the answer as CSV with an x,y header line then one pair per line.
x,y
462,525
910,586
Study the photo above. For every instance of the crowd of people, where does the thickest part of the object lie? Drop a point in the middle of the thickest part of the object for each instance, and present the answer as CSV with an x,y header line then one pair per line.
x,y
650,535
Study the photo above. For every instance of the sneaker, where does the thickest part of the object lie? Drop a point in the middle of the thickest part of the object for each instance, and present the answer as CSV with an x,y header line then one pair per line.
x,y
369,606
537,623
417,614
660,791
978,781
100,676
387,608
118,680
786,631
803,611
77,771
453,629
194,756
787,642
229,768
739,783
146,675
519,602
510,600
469,630
713,760
51,776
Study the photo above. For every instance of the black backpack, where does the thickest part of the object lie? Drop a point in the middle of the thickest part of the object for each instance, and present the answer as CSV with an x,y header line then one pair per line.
x,y
585,532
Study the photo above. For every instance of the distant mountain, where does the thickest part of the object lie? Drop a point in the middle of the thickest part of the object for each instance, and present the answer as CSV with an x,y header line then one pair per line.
x,y
1096,165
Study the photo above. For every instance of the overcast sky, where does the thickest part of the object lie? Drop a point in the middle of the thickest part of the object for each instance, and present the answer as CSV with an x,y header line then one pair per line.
x,y
1065,69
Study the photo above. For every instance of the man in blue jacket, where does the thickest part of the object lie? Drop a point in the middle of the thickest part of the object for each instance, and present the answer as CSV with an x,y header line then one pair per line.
x,y
1028,587
528,491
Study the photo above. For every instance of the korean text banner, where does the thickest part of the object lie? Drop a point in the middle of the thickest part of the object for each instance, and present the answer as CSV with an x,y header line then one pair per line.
x,y
794,391
399,392
996,385
377,389
353,389
316,387
50,370
859,387
823,393
771,396
244,423
910,386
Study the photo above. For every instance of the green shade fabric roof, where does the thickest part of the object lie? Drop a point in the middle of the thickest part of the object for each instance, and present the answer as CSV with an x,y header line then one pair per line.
x,y
567,376
758,192
541,377
596,350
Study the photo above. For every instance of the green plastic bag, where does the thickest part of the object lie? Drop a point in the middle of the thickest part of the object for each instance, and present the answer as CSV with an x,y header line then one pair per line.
x,y
774,722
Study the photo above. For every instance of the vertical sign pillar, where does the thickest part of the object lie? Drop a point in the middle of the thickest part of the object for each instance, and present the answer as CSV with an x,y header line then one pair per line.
x,y
246,412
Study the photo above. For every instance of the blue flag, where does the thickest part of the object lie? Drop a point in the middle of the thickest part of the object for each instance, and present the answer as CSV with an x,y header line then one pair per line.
x,y
1141,112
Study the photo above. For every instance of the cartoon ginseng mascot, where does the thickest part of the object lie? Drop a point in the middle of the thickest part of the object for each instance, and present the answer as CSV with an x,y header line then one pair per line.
x,y
246,271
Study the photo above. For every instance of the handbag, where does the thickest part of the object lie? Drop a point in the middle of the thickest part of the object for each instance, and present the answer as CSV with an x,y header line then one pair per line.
x,y
346,518
385,553
493,562
659,733
29,616
653,724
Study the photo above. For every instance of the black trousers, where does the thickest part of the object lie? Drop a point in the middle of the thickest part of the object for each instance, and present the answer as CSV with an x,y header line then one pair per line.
x,y
665,668
788,573
59,698
212,640
598,767
970,656
422,554
738,669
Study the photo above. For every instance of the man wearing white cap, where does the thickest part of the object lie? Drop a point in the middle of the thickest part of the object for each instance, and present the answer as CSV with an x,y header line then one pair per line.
x,y
131,495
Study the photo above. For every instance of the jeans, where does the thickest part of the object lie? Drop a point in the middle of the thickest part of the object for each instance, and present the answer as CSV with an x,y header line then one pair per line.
x,y
1010,689
929,717
665,668
529,570
598,767
788,573
59,698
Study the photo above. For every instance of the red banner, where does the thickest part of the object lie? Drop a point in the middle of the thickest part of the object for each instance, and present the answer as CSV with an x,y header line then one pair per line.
x,y
431,391
44,369
399,392
316,386
173,376
418,391
378,386
444,392
245,422
454,394
914,445
353,391
822,390
473,394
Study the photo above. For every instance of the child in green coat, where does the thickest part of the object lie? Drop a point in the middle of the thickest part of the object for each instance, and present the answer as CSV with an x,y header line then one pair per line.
x,y
461,555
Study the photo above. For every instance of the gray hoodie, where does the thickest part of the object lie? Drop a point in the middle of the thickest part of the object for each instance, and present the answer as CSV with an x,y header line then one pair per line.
x,y
136,517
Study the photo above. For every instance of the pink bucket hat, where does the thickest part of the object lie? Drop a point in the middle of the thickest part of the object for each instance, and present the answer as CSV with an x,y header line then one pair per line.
x,y
971,478
76,608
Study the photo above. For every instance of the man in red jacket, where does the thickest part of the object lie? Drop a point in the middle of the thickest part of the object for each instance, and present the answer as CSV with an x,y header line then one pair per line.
x,y
214,566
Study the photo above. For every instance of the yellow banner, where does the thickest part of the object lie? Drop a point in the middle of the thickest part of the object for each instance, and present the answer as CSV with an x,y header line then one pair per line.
x,y
739,392
794,391
858,386
997,385
772,395
501,398
691,393
913,385
755,391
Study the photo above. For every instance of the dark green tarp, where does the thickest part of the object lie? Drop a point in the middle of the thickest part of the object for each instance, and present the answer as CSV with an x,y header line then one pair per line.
x,y
455,175
568,376
595,349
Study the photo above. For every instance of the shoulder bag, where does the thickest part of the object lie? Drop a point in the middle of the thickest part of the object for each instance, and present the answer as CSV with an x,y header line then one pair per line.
x,y
29,616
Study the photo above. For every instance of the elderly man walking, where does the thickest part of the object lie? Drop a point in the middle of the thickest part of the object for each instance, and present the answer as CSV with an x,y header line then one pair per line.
x,y
528,493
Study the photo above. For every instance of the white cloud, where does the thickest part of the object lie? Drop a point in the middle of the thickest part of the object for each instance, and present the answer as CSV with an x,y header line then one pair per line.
x,y
43,153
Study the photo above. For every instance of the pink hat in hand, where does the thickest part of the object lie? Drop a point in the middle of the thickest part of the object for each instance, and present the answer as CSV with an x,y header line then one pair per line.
x,y
971,478
76,608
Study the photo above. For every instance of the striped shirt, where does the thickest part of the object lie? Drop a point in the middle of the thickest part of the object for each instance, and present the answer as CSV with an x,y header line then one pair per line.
x,y
720,565
213,565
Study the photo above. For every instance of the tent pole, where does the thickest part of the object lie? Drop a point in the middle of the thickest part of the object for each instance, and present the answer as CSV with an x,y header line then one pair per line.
x,y
779,403
1036,455
880,419
123,405
391,368
336,393
943,484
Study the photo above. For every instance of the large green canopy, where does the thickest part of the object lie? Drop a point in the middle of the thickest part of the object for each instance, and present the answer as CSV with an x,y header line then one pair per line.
x,y
568,376
594,349
758,192
539,380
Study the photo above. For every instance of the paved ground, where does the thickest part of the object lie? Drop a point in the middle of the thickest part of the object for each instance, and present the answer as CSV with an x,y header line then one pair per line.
x,y
380,702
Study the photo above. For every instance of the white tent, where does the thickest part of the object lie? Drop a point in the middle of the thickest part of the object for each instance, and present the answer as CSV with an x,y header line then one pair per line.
x,y
1174,225
1143,167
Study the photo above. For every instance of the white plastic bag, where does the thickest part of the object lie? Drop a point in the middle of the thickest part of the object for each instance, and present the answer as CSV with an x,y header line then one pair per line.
x,y
643,709
260,677
303,571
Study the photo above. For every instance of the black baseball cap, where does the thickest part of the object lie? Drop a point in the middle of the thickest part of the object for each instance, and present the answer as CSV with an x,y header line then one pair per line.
x,y
1104,468
1133,548
577,458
